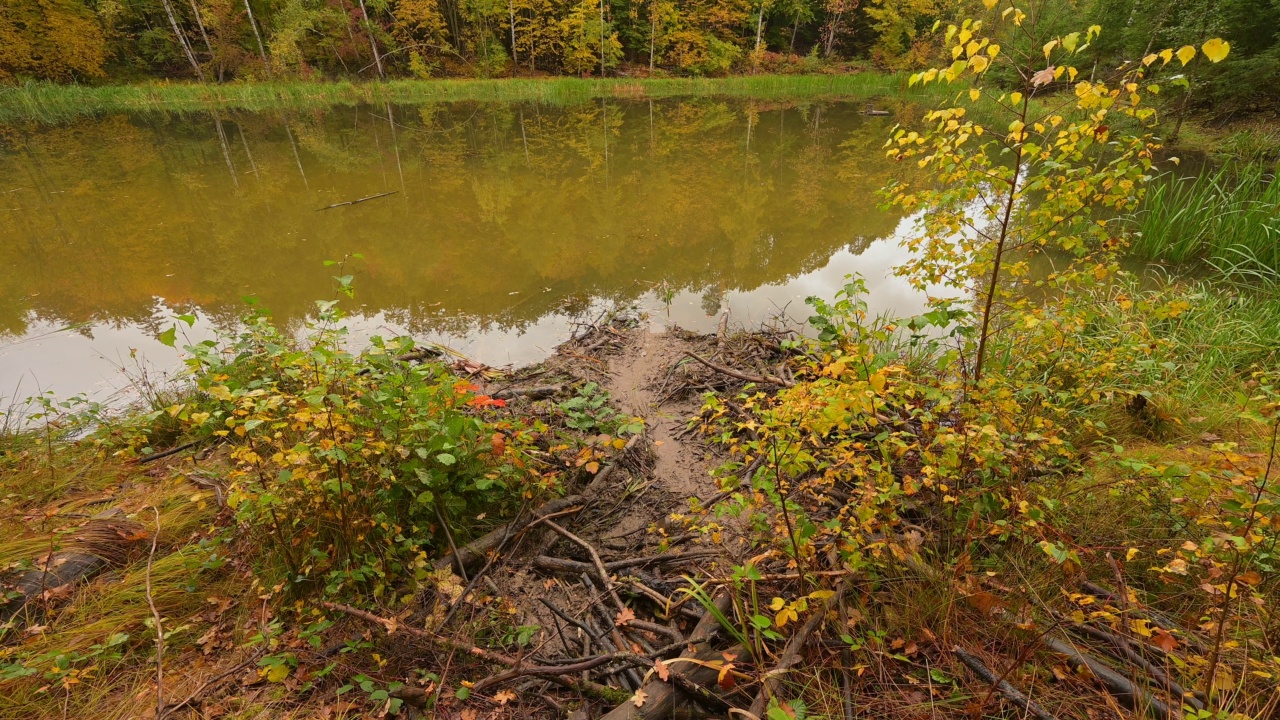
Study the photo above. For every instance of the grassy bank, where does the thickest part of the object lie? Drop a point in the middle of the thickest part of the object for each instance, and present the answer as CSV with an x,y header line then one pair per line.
x,y
50,102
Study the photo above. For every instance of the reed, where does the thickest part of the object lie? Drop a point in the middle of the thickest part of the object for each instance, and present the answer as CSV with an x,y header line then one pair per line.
x,y
48,102
1229,217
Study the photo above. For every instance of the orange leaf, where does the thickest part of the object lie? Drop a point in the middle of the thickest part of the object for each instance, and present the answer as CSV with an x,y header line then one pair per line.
x,y
661,668
504,697
639,698
1164,640
624,617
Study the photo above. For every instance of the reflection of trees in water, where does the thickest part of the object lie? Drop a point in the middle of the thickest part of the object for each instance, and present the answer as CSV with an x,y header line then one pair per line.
x,y
503,213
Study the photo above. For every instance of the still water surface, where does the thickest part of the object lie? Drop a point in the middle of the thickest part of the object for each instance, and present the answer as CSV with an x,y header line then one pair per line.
x,y
506,224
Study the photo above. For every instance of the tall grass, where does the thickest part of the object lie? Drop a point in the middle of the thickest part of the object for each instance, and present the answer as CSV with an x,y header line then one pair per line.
x,y
48,102
1229,217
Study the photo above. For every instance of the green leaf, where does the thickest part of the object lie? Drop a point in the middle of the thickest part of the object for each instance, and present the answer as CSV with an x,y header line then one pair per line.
x,y
169,337
446,459
463,693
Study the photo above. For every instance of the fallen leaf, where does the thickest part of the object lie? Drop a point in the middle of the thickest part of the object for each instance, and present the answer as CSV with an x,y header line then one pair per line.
x,y
504,697
639,698
468,714
1163,640
662,670
624,617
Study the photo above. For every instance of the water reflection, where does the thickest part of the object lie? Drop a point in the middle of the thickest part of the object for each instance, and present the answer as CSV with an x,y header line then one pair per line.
x,y
505,223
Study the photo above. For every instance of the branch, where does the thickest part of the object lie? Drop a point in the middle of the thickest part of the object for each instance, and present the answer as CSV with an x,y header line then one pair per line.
x,y
758,379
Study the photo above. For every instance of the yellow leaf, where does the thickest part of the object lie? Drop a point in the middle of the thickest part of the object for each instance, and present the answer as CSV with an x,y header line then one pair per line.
x,y
777,603
1048,48
877,382
278,673
1185,53
1166,55
1149,59
1015,98
1069,42
593,467
979,63
1216,49
993,51
974,94
1133,553
990,3
965,35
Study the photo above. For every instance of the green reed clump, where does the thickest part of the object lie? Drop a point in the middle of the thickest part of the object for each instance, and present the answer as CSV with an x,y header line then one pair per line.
x,y
1229,217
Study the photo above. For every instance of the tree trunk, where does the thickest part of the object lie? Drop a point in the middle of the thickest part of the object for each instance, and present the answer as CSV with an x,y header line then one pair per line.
x,y
262,50
373,44
182,40
515,60
601,38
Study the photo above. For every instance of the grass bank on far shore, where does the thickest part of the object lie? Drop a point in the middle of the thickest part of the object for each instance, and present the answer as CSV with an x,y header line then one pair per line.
x,y
50,102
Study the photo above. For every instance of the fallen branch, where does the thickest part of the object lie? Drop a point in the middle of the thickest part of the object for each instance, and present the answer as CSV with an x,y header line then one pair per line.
x,y
595,559
533,393
391,626
358,200
171,451
545,562
1010,693
1116,647
474,553
757,379
211,682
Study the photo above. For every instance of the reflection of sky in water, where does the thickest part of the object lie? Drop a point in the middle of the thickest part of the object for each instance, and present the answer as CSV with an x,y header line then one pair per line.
x,y
94,361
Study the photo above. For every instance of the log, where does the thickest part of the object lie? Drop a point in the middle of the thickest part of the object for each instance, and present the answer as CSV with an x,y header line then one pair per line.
x,y
1129,695
1009,692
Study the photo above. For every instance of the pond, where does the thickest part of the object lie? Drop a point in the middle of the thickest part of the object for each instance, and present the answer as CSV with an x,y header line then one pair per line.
x,y
490,228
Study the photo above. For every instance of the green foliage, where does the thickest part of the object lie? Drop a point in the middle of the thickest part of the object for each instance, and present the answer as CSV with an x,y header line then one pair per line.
x,y
351,470
590,412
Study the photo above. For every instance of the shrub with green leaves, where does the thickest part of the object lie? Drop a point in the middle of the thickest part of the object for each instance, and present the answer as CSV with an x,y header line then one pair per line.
x,y
351,470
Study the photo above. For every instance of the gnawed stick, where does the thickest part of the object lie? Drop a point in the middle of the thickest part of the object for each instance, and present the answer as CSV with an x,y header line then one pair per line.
x,y
1132,696
1009,692
757,379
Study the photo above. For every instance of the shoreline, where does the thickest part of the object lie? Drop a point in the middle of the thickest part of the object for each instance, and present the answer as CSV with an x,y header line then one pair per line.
x,y
50,102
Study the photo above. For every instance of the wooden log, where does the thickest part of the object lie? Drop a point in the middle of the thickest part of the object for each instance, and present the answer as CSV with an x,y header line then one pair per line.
x,y
1129,695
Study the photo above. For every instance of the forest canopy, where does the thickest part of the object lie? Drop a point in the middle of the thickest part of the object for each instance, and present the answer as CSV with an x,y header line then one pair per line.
x,y
117,41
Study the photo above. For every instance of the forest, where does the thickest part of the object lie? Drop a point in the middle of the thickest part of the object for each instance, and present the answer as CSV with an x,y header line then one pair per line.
x,y
697,359
110,41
